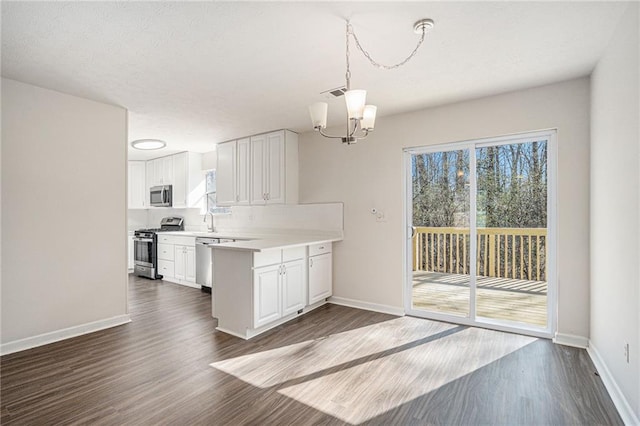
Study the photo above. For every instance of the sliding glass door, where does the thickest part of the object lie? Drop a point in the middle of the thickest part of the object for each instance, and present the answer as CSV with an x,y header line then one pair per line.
x,y
481,241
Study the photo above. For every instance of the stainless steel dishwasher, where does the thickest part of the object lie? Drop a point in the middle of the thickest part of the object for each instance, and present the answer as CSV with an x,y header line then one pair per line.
x,y
204,261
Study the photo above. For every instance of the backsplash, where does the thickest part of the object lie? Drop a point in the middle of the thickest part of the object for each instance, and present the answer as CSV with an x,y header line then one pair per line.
x,y
304,217
308,217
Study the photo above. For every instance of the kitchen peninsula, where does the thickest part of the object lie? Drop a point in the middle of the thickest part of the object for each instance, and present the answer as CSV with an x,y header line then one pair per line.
x,y
261,283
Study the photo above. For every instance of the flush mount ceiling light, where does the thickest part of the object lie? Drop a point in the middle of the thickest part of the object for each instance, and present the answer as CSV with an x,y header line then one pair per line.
x,y
361,117
148,144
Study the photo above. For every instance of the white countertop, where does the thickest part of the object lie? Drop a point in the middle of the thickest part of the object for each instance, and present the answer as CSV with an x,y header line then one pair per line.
x,y
263,241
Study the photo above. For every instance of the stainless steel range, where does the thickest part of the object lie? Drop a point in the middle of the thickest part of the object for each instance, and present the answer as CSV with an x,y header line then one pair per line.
x,y
146,247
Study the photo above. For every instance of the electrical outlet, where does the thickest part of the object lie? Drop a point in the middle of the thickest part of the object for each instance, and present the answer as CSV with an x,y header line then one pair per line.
x,y
626,352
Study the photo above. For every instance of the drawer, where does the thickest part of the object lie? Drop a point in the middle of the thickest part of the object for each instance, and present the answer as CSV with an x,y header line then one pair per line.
x,y
316,249
166,268
176,239
165,252
294,253
266,258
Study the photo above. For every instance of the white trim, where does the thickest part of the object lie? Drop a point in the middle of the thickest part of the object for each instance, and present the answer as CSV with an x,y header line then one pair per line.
x,y
619,400
65,333
571,340
367,306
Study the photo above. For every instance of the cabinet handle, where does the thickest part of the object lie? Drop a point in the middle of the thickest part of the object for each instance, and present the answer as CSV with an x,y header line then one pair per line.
x,y
268,196
321,248
310,263
284,270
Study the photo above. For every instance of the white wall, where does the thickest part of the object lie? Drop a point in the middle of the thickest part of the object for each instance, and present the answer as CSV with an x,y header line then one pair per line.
x,y
615,211
209,160
368,264
64,240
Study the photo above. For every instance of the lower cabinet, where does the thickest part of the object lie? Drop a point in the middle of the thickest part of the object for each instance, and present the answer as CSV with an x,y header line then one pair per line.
x,y
278,291
320,272
177,259
185,263
256,291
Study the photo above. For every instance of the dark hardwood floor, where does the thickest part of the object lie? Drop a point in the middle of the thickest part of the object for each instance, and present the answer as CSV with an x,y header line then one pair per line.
x,y
335,365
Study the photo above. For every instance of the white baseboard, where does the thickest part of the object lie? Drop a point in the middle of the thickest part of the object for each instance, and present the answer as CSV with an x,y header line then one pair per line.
x,y
621,403
571,340
385,309
65,333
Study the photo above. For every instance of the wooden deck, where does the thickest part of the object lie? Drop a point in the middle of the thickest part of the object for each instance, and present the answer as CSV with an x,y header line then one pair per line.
x,y
497,298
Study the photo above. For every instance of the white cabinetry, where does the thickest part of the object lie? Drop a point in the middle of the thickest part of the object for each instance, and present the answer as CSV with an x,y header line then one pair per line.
x,y
267,299
278,291
136,185
320,272
177,259
185,263
262,169
160,171
232,173
184,172
188,180
274,168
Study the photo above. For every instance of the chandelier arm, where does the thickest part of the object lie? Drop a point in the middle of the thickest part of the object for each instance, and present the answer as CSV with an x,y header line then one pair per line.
x,y
379,65
328,136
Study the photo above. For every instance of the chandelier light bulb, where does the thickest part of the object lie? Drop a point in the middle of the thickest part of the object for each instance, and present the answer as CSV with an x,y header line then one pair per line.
x,y
355,100
369,117
318,113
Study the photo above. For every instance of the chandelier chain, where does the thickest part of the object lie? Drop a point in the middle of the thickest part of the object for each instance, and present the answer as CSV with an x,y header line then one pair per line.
x,y
348,74
368,56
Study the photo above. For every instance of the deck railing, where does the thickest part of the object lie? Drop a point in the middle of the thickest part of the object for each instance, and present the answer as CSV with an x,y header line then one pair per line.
x,y
517,253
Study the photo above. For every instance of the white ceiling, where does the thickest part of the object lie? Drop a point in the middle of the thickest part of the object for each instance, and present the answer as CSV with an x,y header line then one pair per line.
x,y
198,73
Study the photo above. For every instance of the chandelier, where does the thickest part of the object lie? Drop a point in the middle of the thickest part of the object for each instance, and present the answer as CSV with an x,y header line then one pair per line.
x,y
360,117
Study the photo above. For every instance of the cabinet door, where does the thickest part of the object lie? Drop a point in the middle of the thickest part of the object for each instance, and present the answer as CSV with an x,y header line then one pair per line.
x,y
157,172
226,174
179,262
150,180
293,296
320,281
258,147
137,190
167,170
180,164
275,175
266,295
242,174
190,264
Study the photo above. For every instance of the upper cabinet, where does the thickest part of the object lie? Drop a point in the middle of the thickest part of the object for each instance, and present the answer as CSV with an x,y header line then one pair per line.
x,y
160,171
136,187
184,172
188,180
232,173
259,170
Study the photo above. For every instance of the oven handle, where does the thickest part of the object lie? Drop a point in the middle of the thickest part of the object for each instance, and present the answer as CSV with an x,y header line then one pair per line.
x,y
144,240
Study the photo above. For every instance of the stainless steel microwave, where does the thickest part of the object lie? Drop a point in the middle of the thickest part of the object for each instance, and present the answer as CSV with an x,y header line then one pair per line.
x,y
160,196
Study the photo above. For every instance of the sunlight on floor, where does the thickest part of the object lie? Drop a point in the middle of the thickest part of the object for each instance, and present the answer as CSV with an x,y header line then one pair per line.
x,y
359,374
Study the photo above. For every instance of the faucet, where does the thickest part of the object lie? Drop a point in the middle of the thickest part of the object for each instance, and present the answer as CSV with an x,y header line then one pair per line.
x,y
210,227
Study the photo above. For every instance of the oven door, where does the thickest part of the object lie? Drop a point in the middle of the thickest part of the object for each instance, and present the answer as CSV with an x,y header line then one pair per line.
x,y
144,251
